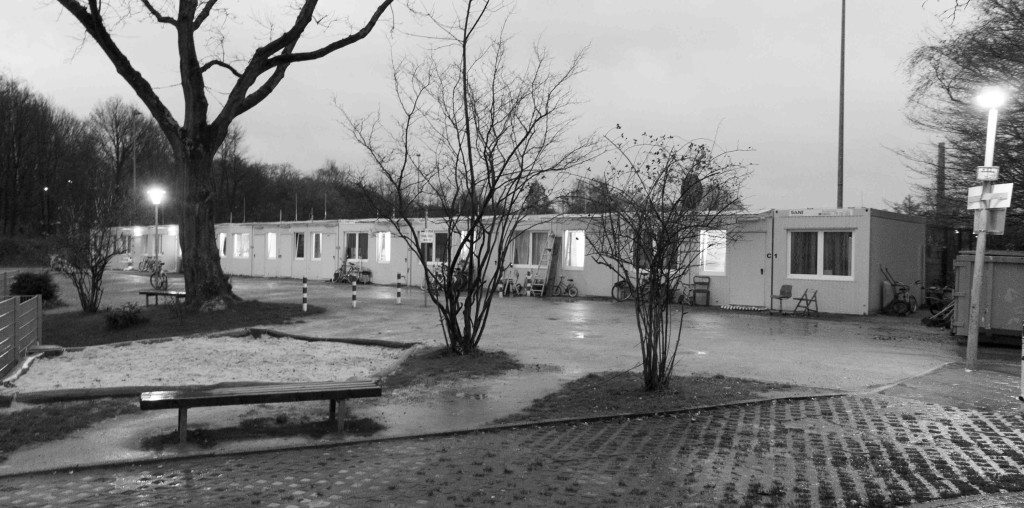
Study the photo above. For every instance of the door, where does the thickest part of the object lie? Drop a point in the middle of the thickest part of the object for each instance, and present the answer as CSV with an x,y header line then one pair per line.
x,y
259,255
747,268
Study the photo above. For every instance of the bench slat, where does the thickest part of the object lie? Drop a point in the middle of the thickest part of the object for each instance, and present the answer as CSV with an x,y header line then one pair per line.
x,y
256,394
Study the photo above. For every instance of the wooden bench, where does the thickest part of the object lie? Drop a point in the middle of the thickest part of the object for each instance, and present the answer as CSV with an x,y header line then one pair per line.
x,y
334,391
157,293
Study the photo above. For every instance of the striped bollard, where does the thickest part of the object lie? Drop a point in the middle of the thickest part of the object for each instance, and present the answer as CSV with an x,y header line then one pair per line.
x,y
304,294
399,301
353,292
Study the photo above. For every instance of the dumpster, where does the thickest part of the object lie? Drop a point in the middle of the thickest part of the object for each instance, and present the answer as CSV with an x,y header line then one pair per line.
x,y
1001,306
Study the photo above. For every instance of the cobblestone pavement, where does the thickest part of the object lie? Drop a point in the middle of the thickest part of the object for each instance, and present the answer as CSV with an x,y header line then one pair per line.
x,y
874,450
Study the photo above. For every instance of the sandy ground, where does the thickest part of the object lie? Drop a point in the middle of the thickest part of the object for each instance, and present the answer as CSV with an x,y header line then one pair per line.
x,y
204,361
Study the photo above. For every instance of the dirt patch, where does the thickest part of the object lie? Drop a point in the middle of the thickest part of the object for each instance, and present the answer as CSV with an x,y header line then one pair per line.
x,y
37,424
622,392
72,329
439,365
282,424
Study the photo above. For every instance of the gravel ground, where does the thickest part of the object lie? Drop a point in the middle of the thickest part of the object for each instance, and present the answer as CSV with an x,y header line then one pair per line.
x,y
204,361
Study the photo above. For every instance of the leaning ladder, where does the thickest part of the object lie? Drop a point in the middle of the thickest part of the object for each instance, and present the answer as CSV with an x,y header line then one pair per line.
x,y
540,277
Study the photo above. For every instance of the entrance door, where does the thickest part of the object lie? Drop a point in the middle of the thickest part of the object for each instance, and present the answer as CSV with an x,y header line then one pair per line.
x,y
259,255
748,270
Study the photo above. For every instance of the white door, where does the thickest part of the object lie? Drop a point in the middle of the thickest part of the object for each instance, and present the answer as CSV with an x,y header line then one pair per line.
x,y
747,267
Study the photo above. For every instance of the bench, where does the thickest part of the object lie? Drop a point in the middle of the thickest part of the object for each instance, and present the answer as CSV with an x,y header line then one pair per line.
x,y
334,391
157,293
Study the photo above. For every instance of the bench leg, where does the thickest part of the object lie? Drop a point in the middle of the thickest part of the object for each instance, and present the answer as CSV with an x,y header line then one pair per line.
x,y
182,425
338,414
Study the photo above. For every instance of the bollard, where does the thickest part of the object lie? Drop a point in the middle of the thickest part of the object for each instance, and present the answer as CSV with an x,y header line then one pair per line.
x,y
304,292
353,292
399,300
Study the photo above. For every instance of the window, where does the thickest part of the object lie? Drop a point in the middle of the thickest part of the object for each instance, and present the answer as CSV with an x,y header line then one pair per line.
x,y
821,254
574,246
384,247
527,247
222,242
438,250
356,246
271,245
318,239
241,244
300,245
712,251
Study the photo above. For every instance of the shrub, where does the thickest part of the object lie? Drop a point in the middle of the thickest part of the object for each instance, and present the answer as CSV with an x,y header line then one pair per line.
x,y
125,316
32,283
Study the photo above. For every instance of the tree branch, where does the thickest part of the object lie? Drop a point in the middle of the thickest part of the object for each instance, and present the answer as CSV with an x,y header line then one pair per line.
x,y
205,13
156,14
219,63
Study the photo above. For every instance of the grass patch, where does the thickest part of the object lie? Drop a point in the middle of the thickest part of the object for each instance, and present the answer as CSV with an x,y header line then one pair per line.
x,y
72,329
622,392
48,422
439,365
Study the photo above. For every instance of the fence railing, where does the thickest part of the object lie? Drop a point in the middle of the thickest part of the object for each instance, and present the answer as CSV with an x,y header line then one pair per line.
x,y
21,327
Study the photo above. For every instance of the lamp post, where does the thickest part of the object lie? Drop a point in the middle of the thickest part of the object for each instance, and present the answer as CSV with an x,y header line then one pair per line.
x,y
991,99
156,196
46,209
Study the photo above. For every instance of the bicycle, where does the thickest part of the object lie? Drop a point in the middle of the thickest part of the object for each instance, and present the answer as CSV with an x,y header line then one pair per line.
x,y
937,298
158,279
622,291
563,287
148,263
902,302
351,271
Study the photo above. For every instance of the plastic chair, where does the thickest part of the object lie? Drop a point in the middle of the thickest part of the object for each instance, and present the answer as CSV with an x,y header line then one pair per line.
x,y
785,293
702,286
809,297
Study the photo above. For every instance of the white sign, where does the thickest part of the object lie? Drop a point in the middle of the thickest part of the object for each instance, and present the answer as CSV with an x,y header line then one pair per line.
x,y
426,237
821,212
998,198
988,173
996,222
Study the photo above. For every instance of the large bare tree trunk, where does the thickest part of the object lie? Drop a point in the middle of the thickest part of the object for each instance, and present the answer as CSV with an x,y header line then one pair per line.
x,y
200,264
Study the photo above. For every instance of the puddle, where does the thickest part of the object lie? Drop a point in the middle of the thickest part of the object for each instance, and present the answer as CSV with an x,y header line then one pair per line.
x,y
468,404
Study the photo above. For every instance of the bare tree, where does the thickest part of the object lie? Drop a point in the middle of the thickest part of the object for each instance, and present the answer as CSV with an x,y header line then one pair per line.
x,y
473,134
668,202
196,138
947,72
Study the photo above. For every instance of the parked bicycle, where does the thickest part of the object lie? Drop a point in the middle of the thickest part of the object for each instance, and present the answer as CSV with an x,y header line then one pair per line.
x,y
566,287
158,279
148,263
937,298
902,302
623,290
352,271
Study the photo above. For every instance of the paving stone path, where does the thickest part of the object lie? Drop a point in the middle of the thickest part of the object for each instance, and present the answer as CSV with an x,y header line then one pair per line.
x,y
876,450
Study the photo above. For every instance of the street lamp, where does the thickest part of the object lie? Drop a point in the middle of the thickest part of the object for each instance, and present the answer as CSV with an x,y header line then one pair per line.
x,y
46,209
156,196
991,99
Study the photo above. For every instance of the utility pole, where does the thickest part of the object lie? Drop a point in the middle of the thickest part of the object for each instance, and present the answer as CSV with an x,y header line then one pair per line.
x,y
842,97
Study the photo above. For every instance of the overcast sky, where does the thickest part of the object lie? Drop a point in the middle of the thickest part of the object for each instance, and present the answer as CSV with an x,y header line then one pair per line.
x,y
750,73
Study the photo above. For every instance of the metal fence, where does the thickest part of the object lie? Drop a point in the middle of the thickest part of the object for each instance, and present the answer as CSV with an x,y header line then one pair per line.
x,y
21,327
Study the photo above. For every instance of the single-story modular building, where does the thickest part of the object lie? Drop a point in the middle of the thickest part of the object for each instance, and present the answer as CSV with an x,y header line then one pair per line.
x,y
838,252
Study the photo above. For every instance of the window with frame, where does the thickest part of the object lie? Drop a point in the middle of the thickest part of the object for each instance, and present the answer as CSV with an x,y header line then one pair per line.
x,y
318,240
241,244
271,245
356,246
300,245
527,247
574,244
438,250
712,251
821,254
383,247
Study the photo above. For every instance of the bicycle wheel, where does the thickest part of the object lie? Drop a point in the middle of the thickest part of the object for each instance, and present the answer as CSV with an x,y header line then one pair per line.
x,y
158,280
572,292
620,291
556,291
913,304
900,308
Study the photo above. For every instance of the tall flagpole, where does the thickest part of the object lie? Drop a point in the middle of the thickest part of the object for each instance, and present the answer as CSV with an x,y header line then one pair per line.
x,y
842,96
